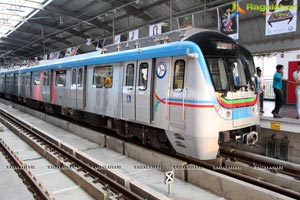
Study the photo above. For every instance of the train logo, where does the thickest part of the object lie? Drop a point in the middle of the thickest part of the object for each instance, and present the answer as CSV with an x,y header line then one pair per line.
x,y
161,70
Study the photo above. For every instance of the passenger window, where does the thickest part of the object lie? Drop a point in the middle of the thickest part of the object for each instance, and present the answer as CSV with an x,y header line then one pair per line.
x,y
143,76
129,76
60,78
73,82
103,77
179,71
80,74
36,78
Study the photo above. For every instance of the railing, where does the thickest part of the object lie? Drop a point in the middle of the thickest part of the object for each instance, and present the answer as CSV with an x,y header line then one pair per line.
x,y
269,93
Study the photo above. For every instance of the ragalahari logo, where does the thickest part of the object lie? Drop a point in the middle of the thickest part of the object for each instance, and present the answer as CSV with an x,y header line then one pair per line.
x,y
236,9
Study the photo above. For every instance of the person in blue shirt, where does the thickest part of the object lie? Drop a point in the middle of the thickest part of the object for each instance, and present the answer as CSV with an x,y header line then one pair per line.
x,y
277,86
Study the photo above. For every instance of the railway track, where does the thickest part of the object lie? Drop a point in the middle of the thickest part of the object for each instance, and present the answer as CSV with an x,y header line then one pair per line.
x,y
67,158
250,159
235,174
277,166
32,183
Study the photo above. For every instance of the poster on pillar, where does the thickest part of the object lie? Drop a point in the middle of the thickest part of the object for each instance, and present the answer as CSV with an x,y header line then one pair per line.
x,y
228,20
281,16
155,29
133,35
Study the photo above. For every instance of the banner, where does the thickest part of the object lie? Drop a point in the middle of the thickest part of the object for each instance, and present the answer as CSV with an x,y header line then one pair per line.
x,y
72,51
281,16
54,55
155,29
228,21
185,21
117,39
133,35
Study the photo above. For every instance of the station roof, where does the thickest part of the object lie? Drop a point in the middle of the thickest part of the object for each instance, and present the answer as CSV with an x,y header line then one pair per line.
x,y
30,28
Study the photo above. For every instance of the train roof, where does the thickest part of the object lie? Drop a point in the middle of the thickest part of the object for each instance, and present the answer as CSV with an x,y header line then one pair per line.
x,y
165,50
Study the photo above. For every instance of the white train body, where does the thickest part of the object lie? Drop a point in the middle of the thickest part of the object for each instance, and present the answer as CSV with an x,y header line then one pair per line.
x,y
180,89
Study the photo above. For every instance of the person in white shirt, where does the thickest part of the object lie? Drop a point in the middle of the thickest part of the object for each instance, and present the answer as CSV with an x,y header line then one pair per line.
x,y
261,88
296,76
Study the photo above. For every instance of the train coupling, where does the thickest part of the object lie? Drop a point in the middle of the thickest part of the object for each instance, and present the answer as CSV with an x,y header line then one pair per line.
x,y
247,138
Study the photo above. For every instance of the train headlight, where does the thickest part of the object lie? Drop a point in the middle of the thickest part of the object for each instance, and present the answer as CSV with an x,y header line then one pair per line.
x,y
224,113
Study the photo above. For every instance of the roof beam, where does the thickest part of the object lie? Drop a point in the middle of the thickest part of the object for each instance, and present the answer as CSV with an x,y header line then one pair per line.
x,y
54,26
57,39
130,9
79,17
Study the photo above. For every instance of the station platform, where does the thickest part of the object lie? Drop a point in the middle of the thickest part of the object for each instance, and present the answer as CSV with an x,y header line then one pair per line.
x,y
287,111
287,123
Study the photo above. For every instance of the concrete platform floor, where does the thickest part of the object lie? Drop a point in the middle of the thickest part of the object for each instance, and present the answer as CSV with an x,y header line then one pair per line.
x,y
57,183
286,111
150,177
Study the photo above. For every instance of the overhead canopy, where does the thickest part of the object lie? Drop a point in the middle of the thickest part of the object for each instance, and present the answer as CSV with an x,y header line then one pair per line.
x,y
30,28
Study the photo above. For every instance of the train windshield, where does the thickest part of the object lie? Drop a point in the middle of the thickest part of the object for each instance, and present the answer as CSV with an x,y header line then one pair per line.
x,y
231,73
237,72
218,73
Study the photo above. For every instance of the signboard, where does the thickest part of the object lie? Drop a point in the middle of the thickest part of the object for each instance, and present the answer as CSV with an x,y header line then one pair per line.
x,y
275,126
133,35
281,16
169,177
155,29
228,21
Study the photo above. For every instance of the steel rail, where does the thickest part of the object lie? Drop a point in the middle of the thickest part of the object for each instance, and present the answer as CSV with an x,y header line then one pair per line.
x,y
242,177
33,185
50,142
284,167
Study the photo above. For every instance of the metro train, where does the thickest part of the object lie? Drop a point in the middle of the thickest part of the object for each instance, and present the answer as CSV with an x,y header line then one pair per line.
x,y
188,90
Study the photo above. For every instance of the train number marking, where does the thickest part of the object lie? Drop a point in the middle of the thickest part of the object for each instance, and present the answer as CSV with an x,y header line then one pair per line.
x,y
161,70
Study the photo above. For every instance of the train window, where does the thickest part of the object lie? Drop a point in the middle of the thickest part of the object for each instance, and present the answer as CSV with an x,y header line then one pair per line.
x,y
129,76
46,79
73,82
103,77
143,76
79,79
179,71
218,73
60,78
36,78
238,72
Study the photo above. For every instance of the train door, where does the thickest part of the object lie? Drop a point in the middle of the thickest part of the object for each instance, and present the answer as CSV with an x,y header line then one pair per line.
x,y
177,92
78,87
46,86
128,96
15,86
81,87
144,93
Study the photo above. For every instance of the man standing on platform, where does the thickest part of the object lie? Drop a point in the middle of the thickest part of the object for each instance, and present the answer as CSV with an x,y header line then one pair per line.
x,y
277,86
296,76
261,88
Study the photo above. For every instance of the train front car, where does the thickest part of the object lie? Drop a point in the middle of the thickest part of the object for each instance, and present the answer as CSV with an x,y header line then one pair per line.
x,y
229,75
